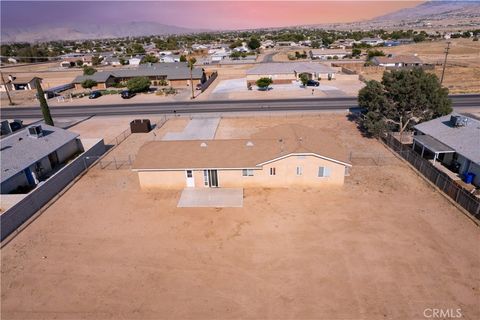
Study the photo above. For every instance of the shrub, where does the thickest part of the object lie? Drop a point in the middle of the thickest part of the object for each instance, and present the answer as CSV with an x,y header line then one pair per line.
x,y
88,71
89,84
138,84
264,82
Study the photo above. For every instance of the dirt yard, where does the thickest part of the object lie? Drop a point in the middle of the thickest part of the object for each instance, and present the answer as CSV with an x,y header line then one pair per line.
x,y
383,246
462,74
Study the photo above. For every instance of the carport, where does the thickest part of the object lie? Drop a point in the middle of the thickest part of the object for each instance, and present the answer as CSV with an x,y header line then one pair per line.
x,y
427,142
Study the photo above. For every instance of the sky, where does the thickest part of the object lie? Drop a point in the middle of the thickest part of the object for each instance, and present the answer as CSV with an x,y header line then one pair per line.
x,y
214,15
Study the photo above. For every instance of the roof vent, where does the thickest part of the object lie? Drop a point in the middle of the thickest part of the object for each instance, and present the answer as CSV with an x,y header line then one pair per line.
x,y
249,144
458,121
203,144
35,131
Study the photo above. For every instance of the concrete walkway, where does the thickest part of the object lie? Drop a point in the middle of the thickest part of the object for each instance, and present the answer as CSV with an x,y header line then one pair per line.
x,y
196,129
211,198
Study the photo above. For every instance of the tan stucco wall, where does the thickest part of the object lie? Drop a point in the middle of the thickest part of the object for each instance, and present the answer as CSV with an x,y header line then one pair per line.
x,y
285,175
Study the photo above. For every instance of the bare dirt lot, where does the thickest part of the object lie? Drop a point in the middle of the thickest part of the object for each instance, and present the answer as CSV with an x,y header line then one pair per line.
x,y
462,74
383,246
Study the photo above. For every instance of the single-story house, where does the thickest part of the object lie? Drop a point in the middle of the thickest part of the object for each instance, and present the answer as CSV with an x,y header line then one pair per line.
x,y
30,155
177,74
104,79
282,156
135,61
325,54
170,58
19,83
286,72
400,61
372,41
452,140
343,44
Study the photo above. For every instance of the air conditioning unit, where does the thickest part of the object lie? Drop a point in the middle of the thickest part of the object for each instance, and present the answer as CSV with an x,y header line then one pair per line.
x,y
35,131
458,121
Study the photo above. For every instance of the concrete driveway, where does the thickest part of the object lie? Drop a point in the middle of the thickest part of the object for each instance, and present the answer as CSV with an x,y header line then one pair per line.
x,y
211,197
196,129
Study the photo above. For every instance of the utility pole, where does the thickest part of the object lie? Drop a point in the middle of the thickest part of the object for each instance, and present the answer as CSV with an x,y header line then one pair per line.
x,y
445,62
6,90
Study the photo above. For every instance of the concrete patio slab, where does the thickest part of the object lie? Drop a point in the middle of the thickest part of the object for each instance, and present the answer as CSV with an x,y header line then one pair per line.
x,y
196,129
211,197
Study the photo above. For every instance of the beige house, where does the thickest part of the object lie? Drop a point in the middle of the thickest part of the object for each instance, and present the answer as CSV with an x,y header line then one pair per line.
x,y
283,156
288,72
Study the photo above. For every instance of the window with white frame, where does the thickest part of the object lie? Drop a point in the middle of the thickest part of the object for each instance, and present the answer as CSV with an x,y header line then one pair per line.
x,y
273,171
299,171
323,172
247,172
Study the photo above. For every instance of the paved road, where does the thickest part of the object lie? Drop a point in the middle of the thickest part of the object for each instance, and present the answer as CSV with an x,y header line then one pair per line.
x,y
268,58
462,103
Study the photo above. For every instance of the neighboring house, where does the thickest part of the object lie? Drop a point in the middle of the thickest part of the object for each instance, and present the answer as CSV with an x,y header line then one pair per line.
x,y
12,60
324,54
282,156
104,79
267,44
19,83
135,61
112,61
286,44
372,41
400,61
219,56
30,155
169,58
177,74
453,140
287,72
343,44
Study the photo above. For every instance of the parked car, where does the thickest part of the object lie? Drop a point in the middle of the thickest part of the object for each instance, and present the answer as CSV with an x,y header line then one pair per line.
x,y
94,95
313,83
126,94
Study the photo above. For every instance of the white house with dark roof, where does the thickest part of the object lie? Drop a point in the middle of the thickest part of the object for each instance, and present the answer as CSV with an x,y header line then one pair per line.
x,y
30,155
452,140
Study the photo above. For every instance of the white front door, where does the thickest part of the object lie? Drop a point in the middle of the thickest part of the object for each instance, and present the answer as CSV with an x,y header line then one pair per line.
x,y
190,178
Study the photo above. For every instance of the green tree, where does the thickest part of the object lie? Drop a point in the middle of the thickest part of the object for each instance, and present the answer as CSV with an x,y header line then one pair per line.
x,y
263,83
47,116
149,59
304,79
89,84
138,84
191,66
88,71
402,99
356,52
183,58
96,60
315,44
375,53
253,43
79,63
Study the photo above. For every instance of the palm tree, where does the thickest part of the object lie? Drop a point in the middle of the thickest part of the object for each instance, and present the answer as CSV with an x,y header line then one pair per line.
x,y
191,64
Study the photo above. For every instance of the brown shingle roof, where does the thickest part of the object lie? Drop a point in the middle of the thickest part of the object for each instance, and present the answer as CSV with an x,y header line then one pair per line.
x,y
238,153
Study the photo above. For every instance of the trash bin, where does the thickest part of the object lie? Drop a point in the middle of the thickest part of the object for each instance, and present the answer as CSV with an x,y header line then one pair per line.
x,y
469,177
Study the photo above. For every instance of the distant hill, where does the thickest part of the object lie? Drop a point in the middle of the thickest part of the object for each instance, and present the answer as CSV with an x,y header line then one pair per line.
x,y
435,10
79,32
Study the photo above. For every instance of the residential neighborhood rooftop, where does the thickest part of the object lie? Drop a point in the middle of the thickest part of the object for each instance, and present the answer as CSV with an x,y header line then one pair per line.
x,y
465,140
288,67
20,150
265,146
